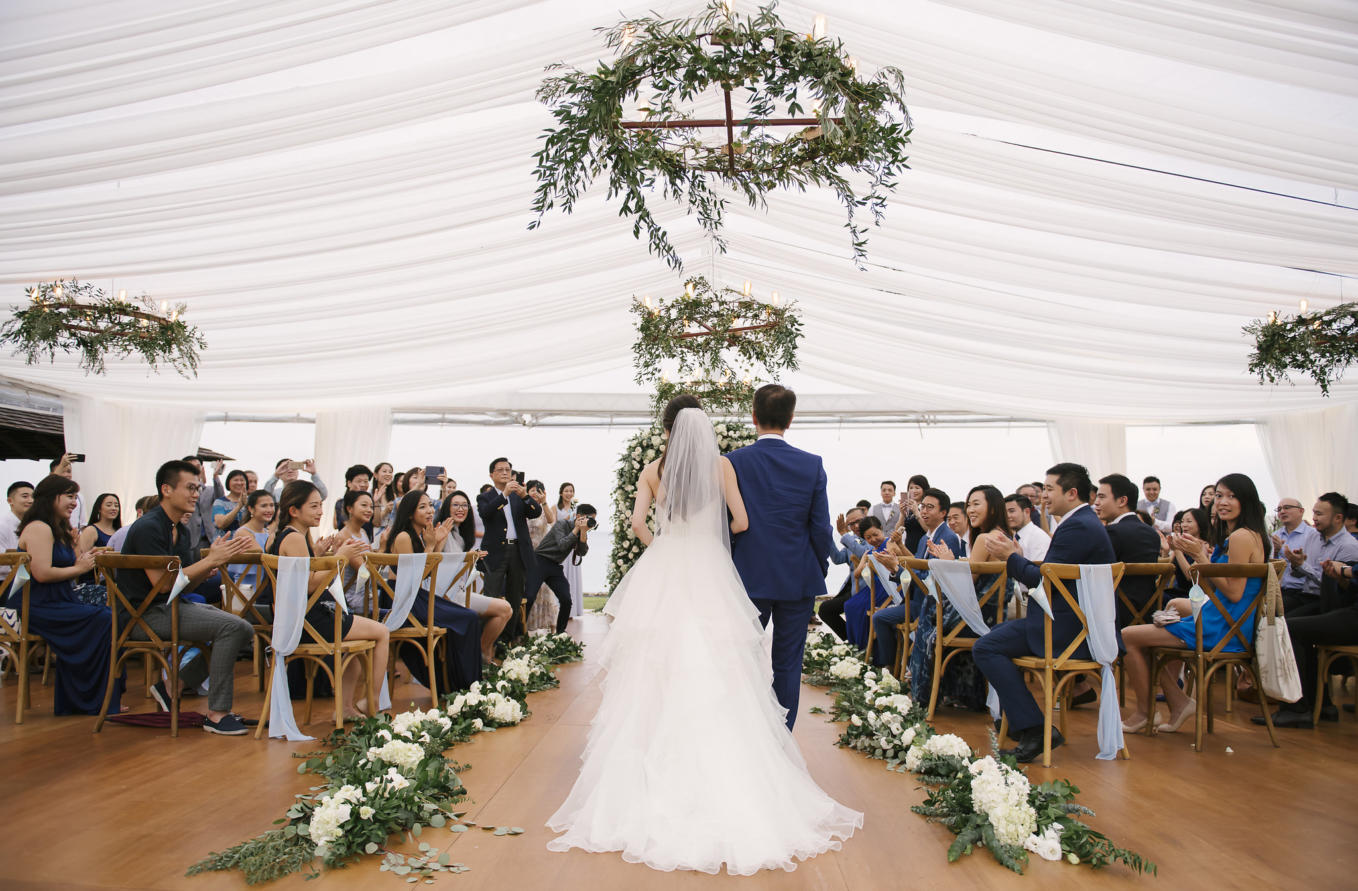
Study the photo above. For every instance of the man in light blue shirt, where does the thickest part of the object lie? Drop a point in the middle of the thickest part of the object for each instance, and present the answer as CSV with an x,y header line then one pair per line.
x,y
1334,543
1297,536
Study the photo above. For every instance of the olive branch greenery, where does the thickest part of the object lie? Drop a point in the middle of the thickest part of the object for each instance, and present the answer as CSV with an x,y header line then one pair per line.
x,y
1318,344
78,317
862,126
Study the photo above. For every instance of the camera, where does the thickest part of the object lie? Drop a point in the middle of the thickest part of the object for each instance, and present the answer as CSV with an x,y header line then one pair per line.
x,y
591,523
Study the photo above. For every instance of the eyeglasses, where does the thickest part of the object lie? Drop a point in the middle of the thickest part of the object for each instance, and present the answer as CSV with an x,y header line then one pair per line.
x,y
1283,507
194,488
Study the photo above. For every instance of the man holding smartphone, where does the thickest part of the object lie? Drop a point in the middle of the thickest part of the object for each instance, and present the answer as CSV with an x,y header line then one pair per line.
x,y
505,510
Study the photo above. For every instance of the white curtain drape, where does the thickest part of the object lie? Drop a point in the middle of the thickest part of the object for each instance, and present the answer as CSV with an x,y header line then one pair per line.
x,y
124,443
1312,452
348,437
1098,446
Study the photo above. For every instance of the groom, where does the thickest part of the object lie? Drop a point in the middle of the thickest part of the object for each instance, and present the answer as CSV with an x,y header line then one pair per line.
x,y
782,556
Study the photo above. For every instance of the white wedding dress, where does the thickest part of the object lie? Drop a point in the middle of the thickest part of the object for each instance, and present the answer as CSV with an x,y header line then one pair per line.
x,y
689,763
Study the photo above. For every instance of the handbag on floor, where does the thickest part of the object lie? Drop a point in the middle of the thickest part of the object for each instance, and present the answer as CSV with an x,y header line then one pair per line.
x,y
1273,647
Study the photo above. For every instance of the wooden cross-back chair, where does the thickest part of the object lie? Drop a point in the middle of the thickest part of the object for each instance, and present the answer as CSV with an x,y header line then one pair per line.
x,y
425,636
1164,574
320,648
873,607
249,610
1204,664
1326,656
913,569
959,638
156,649
1055,672
15,638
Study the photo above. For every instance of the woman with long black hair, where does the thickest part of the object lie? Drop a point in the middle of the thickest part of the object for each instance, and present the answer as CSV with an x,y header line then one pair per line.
x,y
413,531
494,611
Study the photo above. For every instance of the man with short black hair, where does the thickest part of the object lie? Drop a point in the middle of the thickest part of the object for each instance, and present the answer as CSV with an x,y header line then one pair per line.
x,y
1032,540
567,538
851,526
284,473
1335,543
161,531
356,479
1079,539
19,496
1160,509
960,525
511,571
888,512
1133,541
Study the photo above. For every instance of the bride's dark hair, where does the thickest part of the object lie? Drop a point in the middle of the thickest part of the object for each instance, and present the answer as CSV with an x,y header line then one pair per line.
x,y
672,409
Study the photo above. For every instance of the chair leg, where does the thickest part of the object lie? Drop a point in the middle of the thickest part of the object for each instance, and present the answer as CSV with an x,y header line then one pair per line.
x,y
1324,658
369,667
938,678
310,685
1202,714
1047,692
339,688
172,666
1154,665
1263,703
47,658
1231,680
22,669
268,694
433,681
108,695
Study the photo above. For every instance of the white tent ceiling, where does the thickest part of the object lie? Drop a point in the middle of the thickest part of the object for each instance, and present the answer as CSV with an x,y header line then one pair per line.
x,y
1103,193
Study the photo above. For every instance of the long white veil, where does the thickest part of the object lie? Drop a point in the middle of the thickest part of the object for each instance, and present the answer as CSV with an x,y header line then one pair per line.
x,y
692,498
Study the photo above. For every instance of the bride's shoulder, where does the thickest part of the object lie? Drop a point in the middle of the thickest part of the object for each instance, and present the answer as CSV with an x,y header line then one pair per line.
x,y
651,471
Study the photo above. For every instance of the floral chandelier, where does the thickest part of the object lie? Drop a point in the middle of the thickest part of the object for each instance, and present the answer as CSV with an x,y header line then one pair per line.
x,y
1318,344
857,126
78,317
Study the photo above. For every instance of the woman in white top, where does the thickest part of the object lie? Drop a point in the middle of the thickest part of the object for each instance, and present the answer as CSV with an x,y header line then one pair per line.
x,y
494,611
358,508
261,507
565,509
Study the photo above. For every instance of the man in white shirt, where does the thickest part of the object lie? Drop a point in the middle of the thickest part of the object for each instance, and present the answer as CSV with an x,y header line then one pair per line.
x,y
20,498
1032,540
888,513
1160,509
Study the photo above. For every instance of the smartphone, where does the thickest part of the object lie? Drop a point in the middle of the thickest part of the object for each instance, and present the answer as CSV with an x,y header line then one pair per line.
x,y
296,465
519,477
432,472
78,457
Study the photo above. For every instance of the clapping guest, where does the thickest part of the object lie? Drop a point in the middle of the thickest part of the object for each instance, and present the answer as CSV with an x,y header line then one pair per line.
x,y
493,611
867,593
261,511
384,495
356,479
1331,542
1193,524
106,518
849,525
1033,542
505,510
1133,541
1242,533
414,531
932,510
914,530
199,521
229,513
958,523
1160,509
357,506
78,633
568,539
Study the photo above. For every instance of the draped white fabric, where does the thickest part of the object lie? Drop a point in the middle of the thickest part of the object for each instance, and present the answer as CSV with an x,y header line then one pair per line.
x,y
289,612
350,436
874,568
1100,447
124,443
1102,194
954,576
409,572
454,581
1095,593
1310,453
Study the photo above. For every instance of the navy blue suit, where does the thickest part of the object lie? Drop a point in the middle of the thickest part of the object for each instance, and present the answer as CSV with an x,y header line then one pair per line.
x,y
782,557
511,573
1080,538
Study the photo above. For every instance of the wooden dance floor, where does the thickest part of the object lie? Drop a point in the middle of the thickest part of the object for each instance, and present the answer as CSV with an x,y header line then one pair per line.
x,y
133,808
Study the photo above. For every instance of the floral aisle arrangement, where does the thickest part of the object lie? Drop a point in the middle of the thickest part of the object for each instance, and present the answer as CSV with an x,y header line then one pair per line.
x,y
388,775
984,800
640,450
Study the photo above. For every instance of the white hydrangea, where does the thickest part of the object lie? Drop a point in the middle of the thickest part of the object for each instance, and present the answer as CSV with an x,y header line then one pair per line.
x,y
914,757
478,725
846,669
948,745
330,815
516,670
405,723
895,702
405,755
889,684
1001,794
395,780
1047,845
504,710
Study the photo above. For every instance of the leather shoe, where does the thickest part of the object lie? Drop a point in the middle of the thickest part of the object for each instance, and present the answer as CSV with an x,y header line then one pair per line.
x,y
1282,718
1084,698
1029,747
1329,713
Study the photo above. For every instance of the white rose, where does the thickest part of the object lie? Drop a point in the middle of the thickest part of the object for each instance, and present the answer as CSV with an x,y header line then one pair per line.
x,y
478,725
366,812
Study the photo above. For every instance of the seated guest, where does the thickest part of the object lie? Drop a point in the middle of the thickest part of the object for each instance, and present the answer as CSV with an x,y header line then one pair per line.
x,y
357,509
162,532
850,530
962,685
933,506
458,662
1351,519
1296,536
1133,541
1242,532
78,633
231,512
493,611
914,530
384,495
568,537
887,512
1208,497
1145,517
958,523
413,480
868,593
301,508
1079,539
1033,542
106,518
142,505
1160,509
261,510
356,479
1192,523
864,505
1032,492
62,467
20,498
1332,542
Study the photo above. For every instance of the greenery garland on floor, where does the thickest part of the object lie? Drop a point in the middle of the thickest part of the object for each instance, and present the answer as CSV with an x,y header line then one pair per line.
x,y
640,450
387,775
986,801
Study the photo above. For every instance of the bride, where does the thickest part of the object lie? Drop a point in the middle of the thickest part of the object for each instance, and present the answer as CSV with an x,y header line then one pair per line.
x,y
689,763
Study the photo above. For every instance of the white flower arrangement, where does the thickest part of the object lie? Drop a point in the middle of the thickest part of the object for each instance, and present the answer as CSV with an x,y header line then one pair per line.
x,y
847,668
1047,845
405,755
330,815
1001,794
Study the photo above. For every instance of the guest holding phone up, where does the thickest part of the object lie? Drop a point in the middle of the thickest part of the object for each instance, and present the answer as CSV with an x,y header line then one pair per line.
x,y
505,510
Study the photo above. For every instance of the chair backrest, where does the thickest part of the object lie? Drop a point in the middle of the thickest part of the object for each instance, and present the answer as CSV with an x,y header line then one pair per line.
x,y
329,567
1235,627
109,564
232,593
18,630
994,593
378,585
1163,573
1054,580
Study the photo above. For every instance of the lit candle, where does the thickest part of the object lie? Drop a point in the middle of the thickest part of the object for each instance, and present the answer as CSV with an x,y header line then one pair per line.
x,y
1304,304
747,287
164,307
688,289
56,292
852,63
628,34
818,27
1272,316
776,299
647,301
122,294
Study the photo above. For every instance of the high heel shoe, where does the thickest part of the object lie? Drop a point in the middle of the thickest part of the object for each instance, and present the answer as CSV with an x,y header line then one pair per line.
x,y
1177,721
1135,726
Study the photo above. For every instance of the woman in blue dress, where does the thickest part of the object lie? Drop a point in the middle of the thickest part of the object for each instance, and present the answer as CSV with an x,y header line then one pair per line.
x,y
856,618
962,684
1240,528
79,634
413,531
106,518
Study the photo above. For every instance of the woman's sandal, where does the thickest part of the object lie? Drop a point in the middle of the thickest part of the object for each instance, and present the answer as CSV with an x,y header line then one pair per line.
x,y
1177,721
1135,727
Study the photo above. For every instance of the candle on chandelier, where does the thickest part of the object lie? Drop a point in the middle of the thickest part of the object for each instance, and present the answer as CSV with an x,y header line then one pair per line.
x,y
164,307
747,287
122,294
852,63
1272,316
56,292
818,27
688,289
1303,304
777,300
647,300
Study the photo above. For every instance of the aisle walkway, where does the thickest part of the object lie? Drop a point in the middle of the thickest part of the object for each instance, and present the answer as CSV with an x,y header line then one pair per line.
x,y
132,808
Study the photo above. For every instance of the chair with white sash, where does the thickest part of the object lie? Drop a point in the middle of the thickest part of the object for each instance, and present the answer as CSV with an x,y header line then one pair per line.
x,y
318,648
961,636
914,571
425,636
1056,672
15,638
249,610
870,566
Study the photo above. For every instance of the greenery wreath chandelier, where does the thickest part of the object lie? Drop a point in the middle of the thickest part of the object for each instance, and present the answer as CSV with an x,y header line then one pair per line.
x,y
854,142
78,317
1318,344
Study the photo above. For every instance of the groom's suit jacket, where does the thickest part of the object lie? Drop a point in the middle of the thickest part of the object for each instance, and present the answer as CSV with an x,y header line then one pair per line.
x,y
782,556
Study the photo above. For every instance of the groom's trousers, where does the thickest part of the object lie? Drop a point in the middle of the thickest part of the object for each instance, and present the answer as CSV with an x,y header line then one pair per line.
x,y
790,618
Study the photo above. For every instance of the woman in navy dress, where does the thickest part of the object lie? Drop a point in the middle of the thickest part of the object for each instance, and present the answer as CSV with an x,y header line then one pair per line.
x,y
106,518
413,531
79,634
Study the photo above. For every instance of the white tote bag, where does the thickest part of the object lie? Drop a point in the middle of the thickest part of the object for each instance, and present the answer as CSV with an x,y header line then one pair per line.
x,y
1273,646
